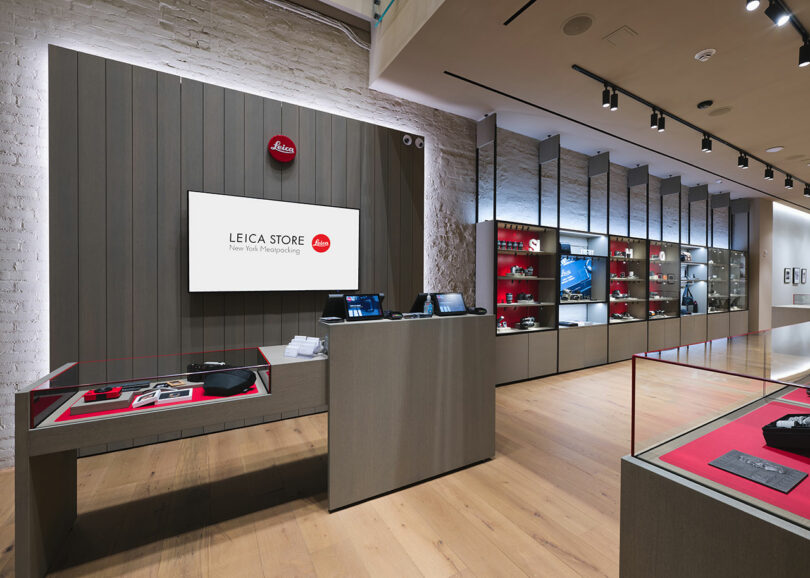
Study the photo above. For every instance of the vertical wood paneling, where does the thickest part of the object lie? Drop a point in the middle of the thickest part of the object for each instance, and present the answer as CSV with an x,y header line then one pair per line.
x,y
380,219
170,220
293,180
255,148
92,221
192,304
214,182
418,226
367,212
235,154
340,150
132,145
406,210
144,222
63,198
272,302
393,218
119,219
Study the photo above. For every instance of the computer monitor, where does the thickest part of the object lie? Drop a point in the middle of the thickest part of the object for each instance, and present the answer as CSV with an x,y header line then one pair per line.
x,y
449,304
363,307
419,303
334,307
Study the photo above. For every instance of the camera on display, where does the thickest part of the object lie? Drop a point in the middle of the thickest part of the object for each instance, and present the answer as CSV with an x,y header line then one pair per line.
x,y
526,323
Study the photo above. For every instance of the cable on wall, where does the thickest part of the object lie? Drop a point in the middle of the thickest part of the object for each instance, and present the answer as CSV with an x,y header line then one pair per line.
x,y
318,17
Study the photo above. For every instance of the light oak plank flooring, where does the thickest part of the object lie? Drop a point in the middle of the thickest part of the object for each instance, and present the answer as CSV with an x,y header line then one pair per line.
x,y
252,502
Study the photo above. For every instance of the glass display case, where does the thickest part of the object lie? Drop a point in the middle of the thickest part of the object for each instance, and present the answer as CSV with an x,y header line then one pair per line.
x,y
693,280
628,287
738,281
90,390
583,278
526,278
664,280
718,281
722,414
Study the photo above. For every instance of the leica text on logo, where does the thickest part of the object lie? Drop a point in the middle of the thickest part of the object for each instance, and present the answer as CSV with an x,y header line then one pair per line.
x,y
281,148
321,243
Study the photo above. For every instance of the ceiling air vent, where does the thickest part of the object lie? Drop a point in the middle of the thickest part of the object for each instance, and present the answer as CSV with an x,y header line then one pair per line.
x,y
705,55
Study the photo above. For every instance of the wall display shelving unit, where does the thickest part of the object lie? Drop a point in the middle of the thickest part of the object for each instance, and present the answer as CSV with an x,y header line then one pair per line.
x,y
718,281
738,281
609,279
526,278
664,281
628,283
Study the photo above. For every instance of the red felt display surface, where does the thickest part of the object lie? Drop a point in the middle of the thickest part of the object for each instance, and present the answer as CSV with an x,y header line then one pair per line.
x,y
197,395
799,395
745,434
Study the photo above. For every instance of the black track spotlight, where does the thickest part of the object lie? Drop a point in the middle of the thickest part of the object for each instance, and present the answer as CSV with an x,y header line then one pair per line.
x,y
606,97
614,100
751,5
742,161
706,144
662,123
806,190
804,53
654,120
768,174
788,182
777,13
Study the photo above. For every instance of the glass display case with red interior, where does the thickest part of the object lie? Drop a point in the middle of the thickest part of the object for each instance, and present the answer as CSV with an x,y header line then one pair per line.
x,y
664,296
694,277
526,278
738,281
583,278
627,289
718,281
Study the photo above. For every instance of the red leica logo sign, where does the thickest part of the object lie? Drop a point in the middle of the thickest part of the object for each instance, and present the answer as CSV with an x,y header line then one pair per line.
x,y
281,148
321,243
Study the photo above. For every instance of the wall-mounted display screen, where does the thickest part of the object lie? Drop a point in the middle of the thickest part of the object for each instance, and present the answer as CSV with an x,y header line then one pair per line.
x,y
363,307
575,275
246,244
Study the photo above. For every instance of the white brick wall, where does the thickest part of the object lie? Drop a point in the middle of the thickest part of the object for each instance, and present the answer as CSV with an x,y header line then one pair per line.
x,y
243,44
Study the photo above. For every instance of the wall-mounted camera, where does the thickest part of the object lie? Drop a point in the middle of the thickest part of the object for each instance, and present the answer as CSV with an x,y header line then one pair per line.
x,y
420,143
407,140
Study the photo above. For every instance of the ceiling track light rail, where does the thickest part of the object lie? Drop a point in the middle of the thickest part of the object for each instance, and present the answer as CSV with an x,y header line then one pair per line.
x,y
780,13
706,136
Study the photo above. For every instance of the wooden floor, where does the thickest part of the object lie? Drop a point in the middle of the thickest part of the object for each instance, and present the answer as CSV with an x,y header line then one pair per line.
x,y
252,502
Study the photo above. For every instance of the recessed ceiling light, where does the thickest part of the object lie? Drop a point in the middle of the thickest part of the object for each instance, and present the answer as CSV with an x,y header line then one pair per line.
x,y
751,5
775,149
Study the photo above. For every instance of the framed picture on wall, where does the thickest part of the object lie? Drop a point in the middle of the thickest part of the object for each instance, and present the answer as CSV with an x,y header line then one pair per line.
x,y
796,275
804,276
787,275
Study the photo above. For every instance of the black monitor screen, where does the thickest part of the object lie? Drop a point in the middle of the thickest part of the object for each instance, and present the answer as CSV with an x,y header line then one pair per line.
x,y
363,307
450,304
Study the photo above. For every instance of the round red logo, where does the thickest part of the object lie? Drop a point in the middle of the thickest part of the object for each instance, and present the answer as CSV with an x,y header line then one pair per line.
x,y
321,243
281,148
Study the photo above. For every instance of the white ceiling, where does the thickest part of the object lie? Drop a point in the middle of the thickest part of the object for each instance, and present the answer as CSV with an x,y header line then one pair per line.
x,y
754,72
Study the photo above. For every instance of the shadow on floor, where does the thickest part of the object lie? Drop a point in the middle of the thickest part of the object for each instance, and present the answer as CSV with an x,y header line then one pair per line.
x,y
107,531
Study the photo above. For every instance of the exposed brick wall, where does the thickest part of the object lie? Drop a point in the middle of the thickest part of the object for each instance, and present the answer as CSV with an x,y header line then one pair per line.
x,y
243,44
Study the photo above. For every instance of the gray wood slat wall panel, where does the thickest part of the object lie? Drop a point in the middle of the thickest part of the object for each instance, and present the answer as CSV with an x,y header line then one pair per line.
x,y
234,170
272,302
92,216
144,221
380,210
170,193
63,199
119,219
367,211
292,180
192,310
139,140
253,123
405,267
418,226
214,181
